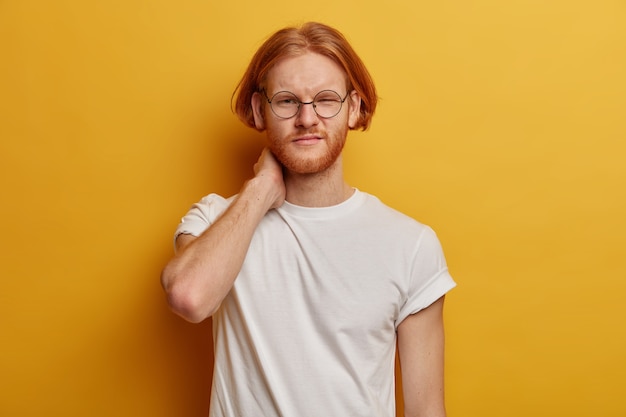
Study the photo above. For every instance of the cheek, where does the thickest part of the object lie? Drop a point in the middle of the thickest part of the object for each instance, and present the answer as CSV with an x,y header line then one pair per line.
x,y
275,137
274,131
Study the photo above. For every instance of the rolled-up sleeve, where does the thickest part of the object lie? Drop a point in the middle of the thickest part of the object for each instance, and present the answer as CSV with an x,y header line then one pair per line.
x,y
201,215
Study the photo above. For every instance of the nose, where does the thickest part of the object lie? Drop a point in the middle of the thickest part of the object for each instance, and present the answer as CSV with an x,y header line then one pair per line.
x,y
307,116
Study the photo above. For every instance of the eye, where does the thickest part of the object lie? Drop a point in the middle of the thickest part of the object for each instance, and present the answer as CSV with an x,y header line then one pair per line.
x,y
285,100
327,97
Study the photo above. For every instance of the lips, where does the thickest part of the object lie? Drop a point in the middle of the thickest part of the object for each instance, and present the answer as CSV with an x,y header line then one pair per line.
x,y
307,139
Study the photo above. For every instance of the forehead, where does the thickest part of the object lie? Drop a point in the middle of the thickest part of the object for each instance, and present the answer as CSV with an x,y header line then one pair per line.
x,y
306,74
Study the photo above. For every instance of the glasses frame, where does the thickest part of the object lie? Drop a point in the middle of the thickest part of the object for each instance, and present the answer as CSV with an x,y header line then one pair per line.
x,y
301,103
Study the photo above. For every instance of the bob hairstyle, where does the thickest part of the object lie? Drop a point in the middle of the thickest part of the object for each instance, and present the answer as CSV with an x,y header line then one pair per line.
x,y
294,41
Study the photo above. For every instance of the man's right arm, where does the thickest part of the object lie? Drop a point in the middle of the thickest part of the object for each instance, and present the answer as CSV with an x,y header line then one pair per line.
x,y
202,272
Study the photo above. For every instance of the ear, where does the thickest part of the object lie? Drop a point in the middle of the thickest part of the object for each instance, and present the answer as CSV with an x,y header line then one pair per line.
x,y
355,109
257,111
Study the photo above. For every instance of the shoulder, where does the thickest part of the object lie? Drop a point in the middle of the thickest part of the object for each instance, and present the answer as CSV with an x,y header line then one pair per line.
x,y
202,214
399,227
381,212
215,199
210,206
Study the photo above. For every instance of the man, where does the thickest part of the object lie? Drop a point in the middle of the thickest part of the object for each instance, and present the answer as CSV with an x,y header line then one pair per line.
x,y
311,284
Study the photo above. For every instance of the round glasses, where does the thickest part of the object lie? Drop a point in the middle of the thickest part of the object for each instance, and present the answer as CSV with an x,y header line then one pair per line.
x,y
326,104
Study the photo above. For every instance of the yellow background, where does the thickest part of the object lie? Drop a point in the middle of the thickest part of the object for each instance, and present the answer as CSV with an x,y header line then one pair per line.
x,y
501,124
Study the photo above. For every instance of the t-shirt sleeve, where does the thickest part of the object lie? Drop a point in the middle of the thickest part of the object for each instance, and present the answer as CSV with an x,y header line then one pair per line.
x,y
429,276
201,215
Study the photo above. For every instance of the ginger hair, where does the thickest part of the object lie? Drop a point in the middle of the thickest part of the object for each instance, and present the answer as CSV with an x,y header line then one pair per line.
x,y
294,41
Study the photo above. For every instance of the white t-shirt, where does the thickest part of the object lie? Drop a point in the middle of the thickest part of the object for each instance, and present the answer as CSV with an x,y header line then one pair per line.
x,y
309,327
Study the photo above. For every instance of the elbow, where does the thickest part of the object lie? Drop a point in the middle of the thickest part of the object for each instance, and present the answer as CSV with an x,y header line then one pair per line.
x,y
183,299
185,306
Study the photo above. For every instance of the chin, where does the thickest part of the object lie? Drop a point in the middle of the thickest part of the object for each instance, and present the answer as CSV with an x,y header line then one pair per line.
x,y
305,166
308,165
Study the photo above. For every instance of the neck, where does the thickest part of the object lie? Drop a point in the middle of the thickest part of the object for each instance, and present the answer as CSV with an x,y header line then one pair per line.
x,y
322,189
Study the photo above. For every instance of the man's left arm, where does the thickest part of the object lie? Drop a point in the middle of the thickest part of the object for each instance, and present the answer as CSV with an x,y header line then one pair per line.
x,y
421,351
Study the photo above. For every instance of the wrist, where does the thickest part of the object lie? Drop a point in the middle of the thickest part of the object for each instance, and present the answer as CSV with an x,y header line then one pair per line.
x,y
261,191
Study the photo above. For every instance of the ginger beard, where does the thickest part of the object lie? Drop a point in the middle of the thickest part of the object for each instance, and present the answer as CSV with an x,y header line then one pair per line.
x,y
304,159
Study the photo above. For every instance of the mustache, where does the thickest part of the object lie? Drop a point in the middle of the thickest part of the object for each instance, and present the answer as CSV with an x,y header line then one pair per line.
x,y
303,133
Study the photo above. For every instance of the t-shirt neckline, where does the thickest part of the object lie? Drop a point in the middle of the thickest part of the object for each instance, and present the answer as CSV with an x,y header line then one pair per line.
x,y
347,206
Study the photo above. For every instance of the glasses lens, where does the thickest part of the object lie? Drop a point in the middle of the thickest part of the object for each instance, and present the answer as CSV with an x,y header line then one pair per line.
x,y
285,104
327,103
